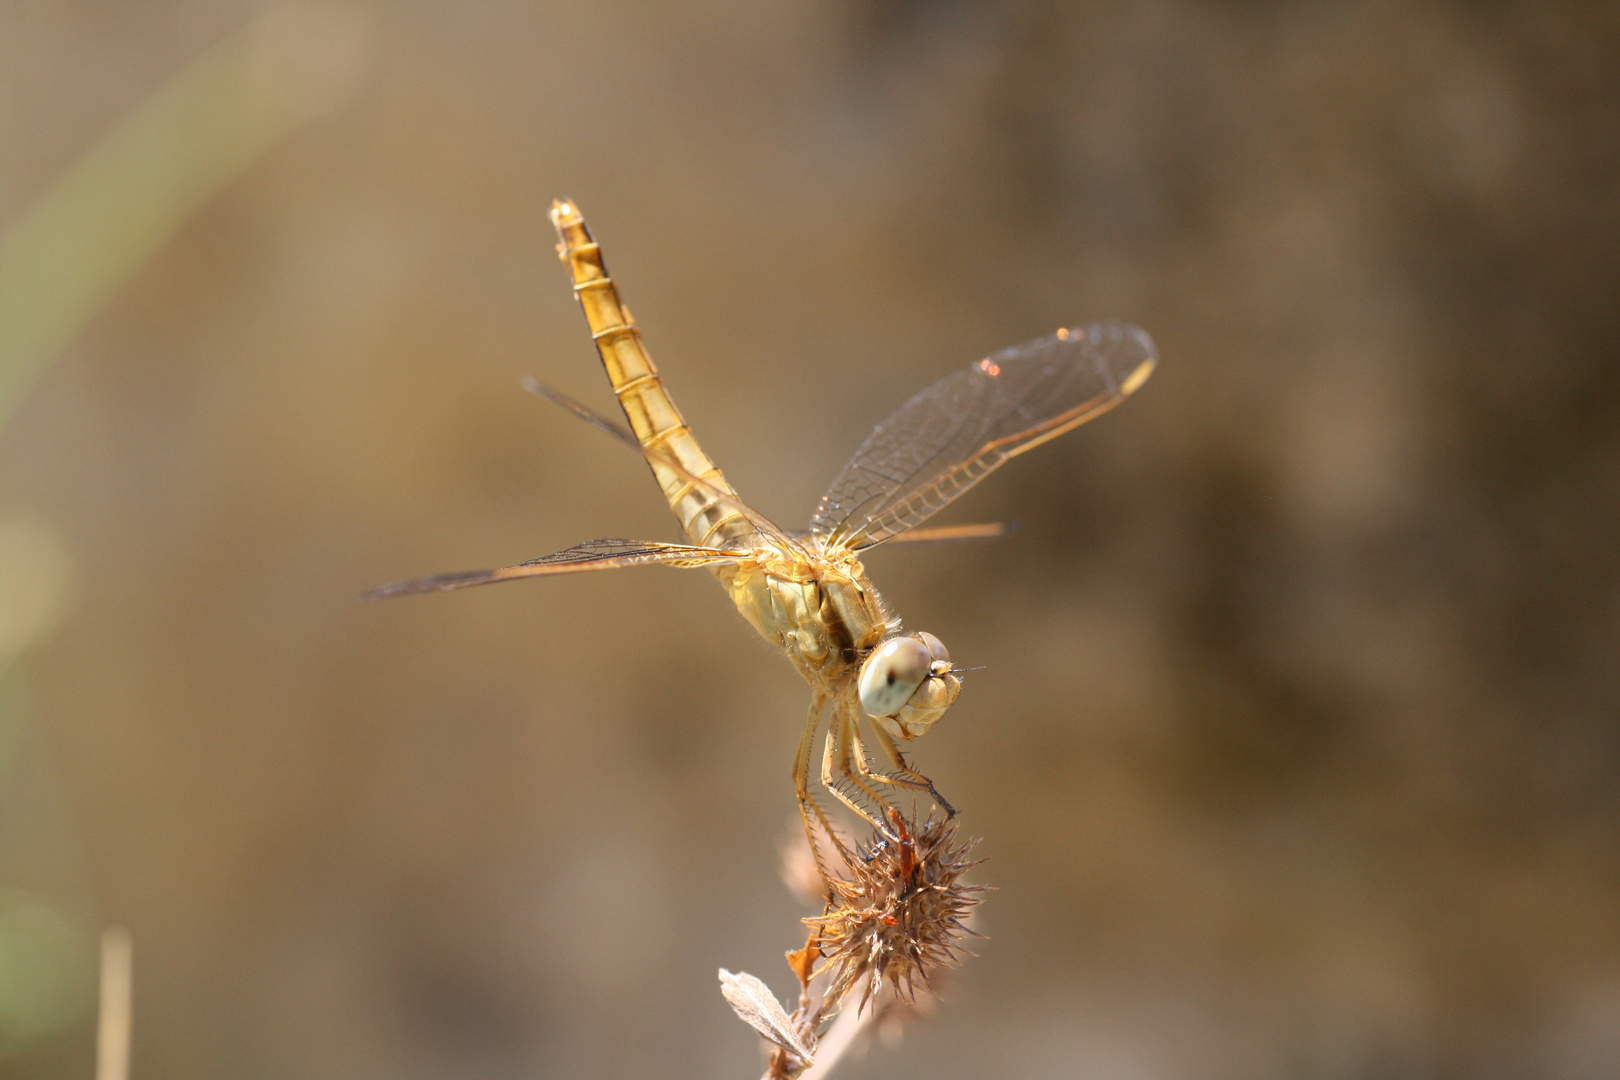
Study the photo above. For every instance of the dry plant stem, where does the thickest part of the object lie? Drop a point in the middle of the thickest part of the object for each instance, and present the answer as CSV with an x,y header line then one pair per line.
x,y
113,1020
786,1065
838,1039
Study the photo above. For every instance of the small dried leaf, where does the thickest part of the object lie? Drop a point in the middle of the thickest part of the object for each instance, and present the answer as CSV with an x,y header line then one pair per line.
x,y
757,1007
803,961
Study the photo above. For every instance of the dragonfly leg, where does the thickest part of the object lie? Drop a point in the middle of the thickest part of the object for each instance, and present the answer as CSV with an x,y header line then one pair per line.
x,y
864,767
801,783
912,781
911,777
852,752
837,749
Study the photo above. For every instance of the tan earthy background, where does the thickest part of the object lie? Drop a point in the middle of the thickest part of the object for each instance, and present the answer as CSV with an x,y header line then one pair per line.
x,y
1297,748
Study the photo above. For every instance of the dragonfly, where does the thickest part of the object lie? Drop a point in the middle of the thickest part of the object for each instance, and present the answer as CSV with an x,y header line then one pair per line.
x,y
807,591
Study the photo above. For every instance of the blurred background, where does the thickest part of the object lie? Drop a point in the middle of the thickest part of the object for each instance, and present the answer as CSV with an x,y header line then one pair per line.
x,y
1297,748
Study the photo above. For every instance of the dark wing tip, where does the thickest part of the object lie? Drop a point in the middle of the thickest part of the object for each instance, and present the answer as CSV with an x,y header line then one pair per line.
x,y
436,583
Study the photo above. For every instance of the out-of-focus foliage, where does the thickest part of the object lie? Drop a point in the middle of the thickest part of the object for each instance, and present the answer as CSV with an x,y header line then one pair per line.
x,y
44,956
1295,750
122,200
60,262
46,971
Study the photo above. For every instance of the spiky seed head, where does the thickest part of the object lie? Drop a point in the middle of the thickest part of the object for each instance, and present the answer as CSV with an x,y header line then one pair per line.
x,y
901,913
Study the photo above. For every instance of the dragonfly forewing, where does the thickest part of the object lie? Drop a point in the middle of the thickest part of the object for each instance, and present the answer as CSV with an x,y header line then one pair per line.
x,y
949,437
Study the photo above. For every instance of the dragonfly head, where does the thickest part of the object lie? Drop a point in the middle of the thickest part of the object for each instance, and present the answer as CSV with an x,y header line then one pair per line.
x,y
906,684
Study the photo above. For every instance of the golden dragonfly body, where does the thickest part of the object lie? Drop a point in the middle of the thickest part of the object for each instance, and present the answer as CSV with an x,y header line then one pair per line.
x,y
808,592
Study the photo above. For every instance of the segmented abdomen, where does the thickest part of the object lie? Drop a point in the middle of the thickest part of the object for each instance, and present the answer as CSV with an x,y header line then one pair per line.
x,y
697,491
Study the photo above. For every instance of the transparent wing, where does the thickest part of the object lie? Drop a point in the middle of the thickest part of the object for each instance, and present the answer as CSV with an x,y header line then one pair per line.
x,y
591,555
584,412
950,436
934,534
987,530
759,521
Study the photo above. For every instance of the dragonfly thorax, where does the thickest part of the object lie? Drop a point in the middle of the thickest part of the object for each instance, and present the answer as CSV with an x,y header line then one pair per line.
x,y
823,612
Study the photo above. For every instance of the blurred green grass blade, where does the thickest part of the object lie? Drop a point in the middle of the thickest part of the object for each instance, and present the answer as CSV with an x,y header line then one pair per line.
x,y
113,209
14,708
47,969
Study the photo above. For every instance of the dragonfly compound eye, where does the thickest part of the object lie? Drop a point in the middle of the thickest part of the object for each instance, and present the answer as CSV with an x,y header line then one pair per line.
x,y
936,650
892,674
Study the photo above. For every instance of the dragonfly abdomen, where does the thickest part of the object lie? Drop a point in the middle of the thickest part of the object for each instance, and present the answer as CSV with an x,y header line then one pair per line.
x,y
696,490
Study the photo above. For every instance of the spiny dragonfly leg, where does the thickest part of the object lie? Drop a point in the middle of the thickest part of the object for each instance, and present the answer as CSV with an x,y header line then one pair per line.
x,y
911,781
801,784
912,778
832,752
852,753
